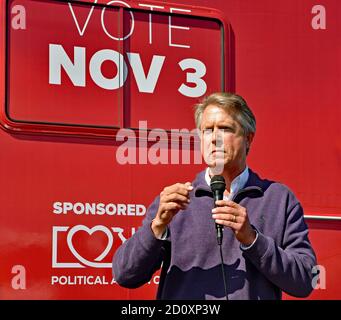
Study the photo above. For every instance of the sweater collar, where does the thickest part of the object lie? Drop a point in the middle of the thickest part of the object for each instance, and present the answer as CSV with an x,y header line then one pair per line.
x,y
237,184
252,188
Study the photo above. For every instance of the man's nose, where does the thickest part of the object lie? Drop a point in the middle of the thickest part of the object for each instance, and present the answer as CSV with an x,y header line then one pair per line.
x,y
217,136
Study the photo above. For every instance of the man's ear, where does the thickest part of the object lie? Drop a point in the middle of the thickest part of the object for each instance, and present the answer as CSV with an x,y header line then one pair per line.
x,y
198,132
249,139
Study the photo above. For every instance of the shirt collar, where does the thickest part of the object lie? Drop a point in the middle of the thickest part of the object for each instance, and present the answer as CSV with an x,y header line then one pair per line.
x,y
237,183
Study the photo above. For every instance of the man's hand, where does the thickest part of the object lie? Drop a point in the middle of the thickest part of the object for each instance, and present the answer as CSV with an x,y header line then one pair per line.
x,y
172,199
233,215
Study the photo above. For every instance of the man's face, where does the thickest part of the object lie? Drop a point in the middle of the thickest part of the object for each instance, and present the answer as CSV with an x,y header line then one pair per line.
x,y
223,144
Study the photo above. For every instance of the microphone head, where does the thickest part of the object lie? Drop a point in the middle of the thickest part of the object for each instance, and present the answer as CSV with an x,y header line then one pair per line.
x,y
218,184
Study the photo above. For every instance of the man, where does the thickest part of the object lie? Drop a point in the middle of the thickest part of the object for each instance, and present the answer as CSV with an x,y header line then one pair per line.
x,y
265,247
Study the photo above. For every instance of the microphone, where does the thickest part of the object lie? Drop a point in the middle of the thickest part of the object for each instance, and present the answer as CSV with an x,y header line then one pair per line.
x,y
218,186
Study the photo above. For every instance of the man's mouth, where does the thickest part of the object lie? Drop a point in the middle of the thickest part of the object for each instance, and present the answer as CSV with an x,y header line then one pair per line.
x,y
217,151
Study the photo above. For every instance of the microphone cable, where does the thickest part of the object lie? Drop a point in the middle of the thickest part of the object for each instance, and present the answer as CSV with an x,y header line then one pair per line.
x,y
218,186
223,271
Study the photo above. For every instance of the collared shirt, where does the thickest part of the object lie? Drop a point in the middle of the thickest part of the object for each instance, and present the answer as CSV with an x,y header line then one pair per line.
x,y
237,183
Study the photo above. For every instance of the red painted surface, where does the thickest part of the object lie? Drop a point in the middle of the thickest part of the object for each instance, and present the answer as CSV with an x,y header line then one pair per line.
x,y
64,147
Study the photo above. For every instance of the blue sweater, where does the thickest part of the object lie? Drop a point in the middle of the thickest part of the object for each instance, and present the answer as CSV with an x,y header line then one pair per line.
x,y
280,260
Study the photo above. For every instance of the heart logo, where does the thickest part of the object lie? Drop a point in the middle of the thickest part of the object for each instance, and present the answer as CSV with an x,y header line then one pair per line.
x,y
90,231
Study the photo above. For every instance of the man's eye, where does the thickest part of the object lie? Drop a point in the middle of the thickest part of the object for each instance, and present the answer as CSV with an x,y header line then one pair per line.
x,y
207,131
223,130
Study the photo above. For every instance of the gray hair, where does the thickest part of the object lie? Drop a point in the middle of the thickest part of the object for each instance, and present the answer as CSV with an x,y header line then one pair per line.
x,y
233,104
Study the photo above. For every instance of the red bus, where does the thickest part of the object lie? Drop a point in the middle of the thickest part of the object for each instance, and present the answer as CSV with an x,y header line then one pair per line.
x,y
96,118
